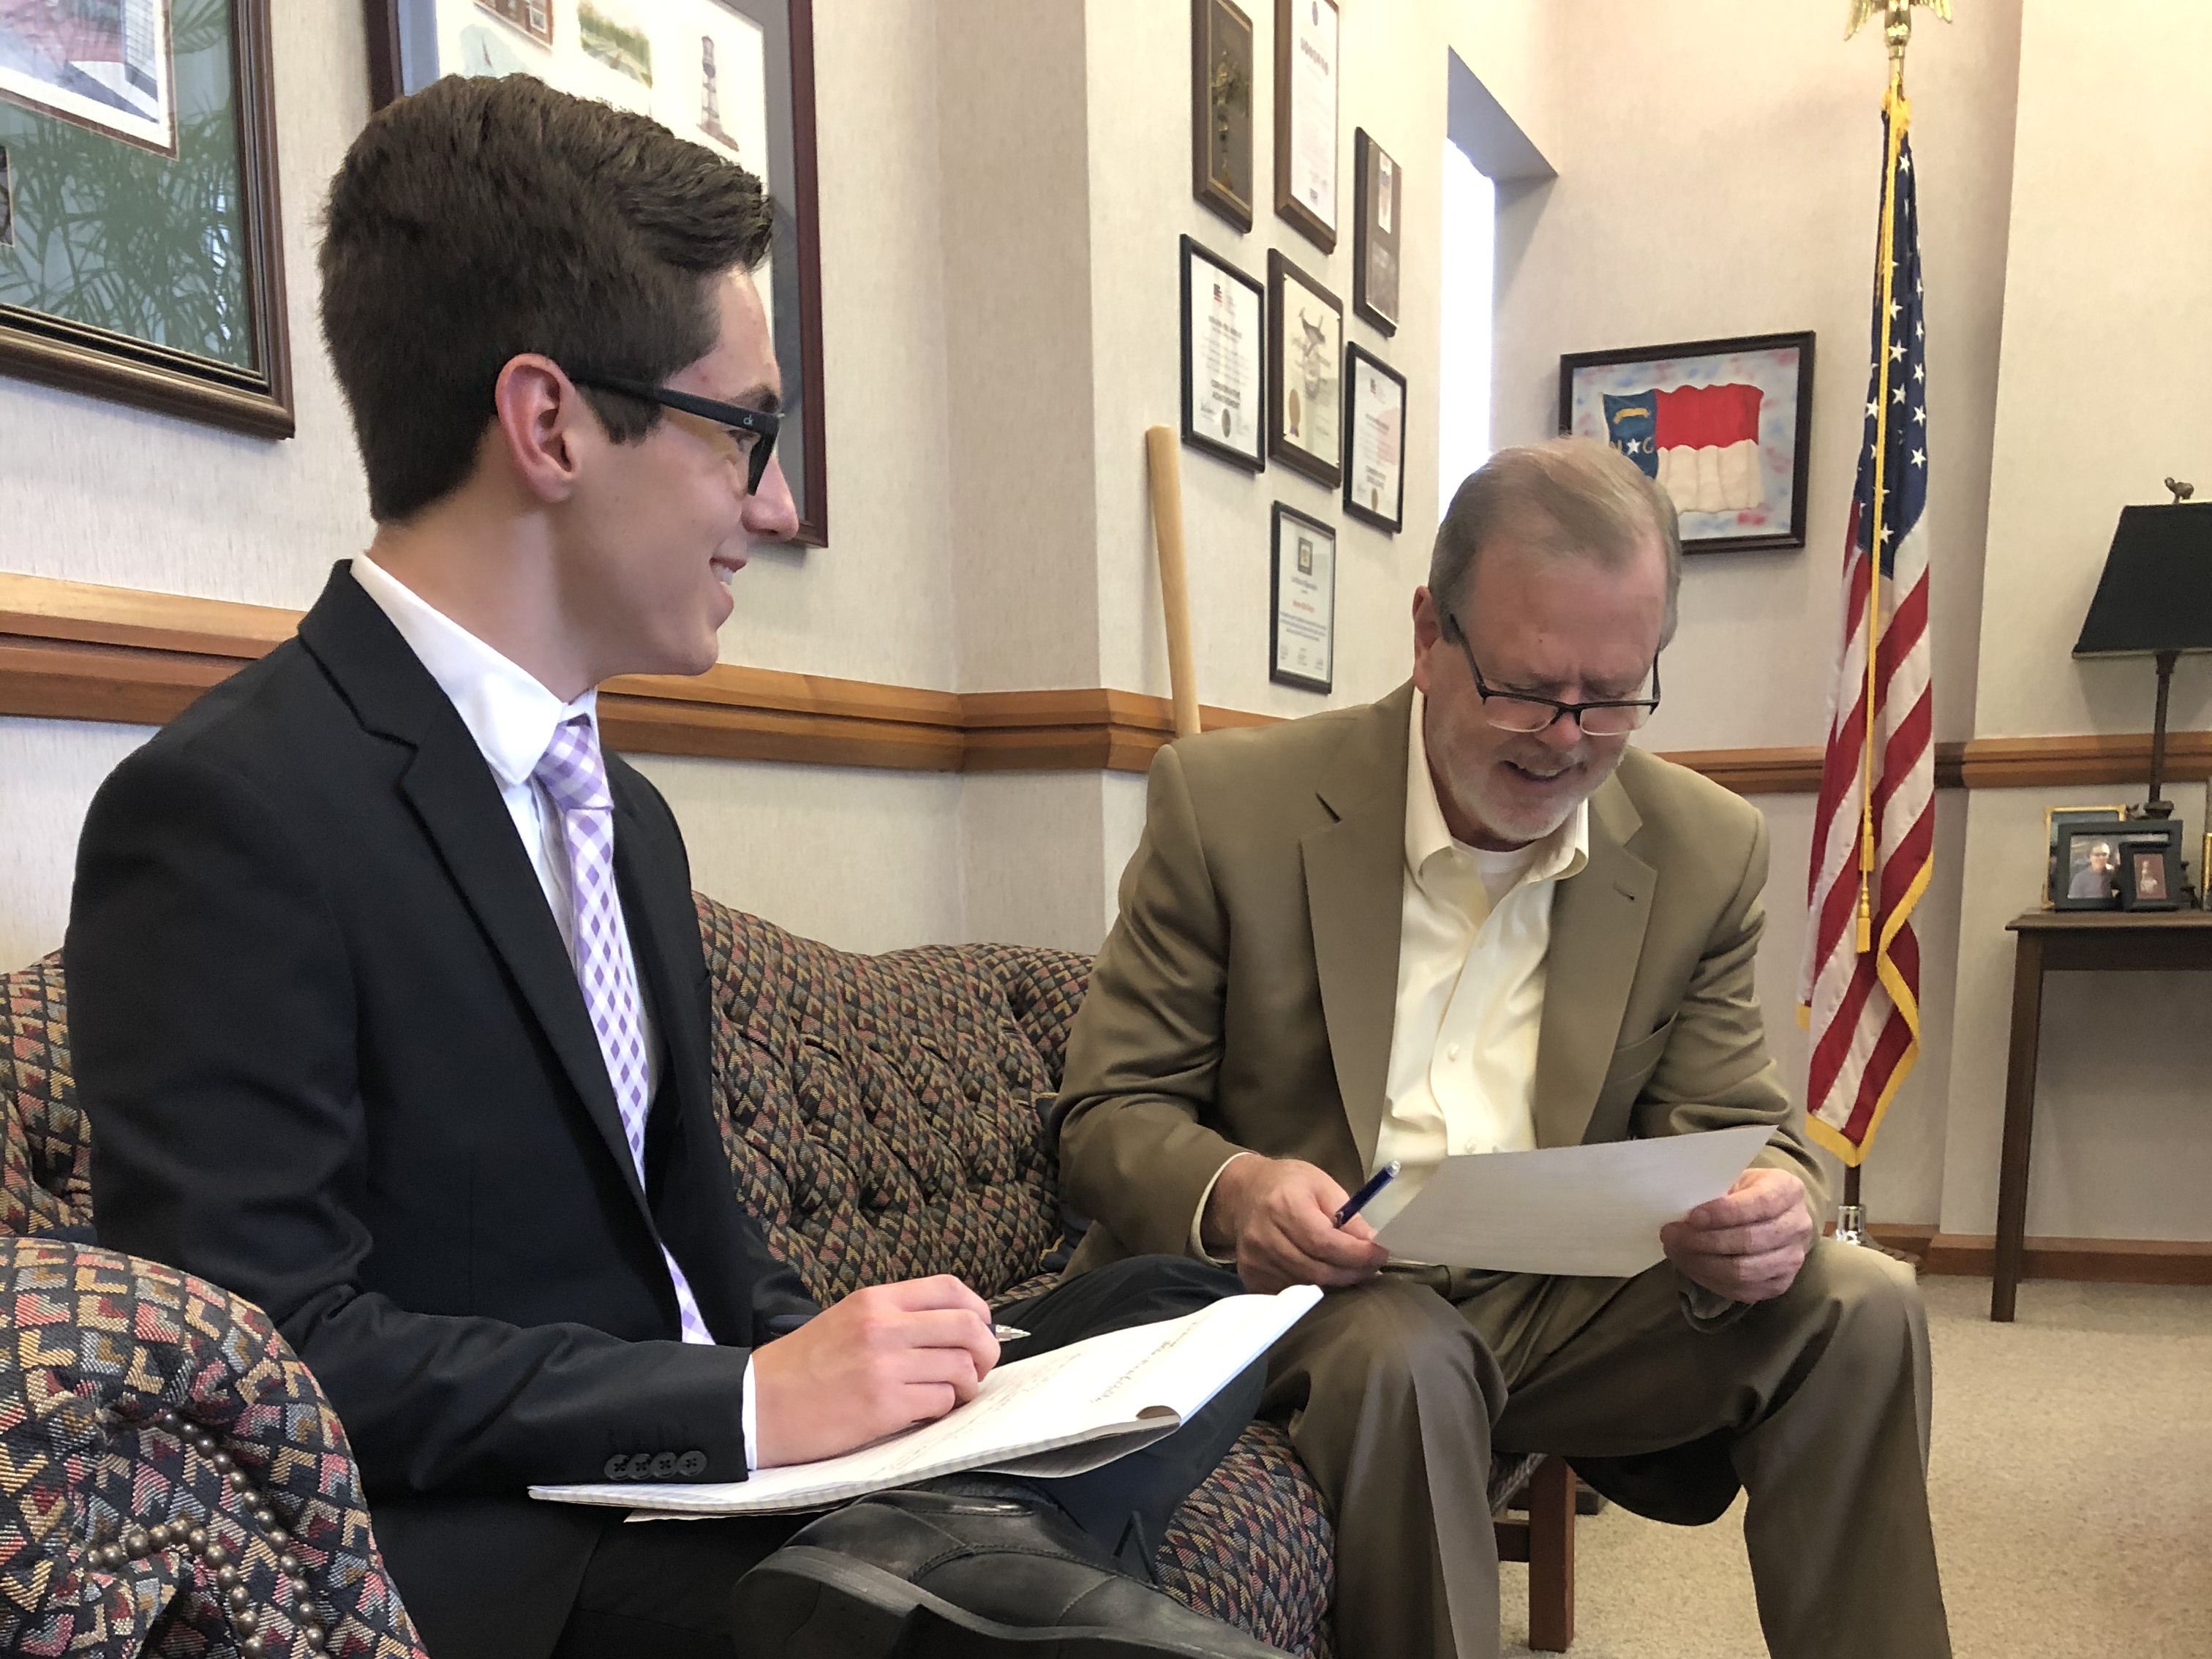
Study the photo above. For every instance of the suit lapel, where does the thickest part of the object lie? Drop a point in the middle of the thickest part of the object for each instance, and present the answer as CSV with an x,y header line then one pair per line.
x,y
1598,918
455,796
1355,875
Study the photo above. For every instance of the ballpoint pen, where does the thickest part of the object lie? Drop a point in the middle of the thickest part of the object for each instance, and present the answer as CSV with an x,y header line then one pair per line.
x,y
1376,1182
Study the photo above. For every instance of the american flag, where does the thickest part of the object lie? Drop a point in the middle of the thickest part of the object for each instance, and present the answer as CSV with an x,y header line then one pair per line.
x,y
1873,835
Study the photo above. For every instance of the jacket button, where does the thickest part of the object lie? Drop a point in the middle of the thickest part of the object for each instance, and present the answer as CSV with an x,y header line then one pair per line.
x,y
617,1466
691,1465
663,1466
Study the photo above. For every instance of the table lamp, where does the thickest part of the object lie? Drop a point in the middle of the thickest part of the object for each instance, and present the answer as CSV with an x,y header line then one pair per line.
x,y
2154,599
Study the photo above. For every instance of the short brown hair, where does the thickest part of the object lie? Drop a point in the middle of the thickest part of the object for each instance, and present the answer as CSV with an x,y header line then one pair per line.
x,y
1568,495
482,218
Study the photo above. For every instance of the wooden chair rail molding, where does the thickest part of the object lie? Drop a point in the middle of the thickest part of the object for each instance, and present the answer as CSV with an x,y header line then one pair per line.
x,y
73,650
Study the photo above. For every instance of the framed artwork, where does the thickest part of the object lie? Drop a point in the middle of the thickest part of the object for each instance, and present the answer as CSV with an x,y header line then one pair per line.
x,y
141,248
1378,194
1307,36
1305,349
1221,109
737,76
1374,440
1301,603
1224,374
1723,425
2056,821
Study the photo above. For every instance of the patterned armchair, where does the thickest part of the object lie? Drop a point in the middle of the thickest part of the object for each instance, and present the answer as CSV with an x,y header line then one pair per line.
x,y
173,1483
172,1480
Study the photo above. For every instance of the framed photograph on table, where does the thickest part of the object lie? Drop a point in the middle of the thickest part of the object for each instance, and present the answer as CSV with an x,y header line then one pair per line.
x,y
1224,374
141,250
1221,109
1378,194
1306,354
1301,599
2056,821
2085,865
1307,36
1723,425
1374,440
736,75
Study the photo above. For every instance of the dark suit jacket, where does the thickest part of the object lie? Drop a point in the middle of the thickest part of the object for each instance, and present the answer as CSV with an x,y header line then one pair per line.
x,y
336,1060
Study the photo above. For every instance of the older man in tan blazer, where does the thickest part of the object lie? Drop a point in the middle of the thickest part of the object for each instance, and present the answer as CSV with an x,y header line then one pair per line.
x,y
1468,919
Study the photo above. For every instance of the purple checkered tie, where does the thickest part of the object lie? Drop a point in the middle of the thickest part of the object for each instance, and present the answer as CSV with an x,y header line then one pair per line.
x,y
575,778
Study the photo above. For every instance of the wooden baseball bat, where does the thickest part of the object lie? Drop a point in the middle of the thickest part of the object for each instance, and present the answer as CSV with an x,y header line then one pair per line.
x,y
1166,468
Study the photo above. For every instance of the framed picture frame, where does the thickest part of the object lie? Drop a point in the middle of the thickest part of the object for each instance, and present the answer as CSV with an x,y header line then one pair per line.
x,y
1724,426
142,258
2056,823
737,76
1374,440
1305,356
2085,862
1221,61
1308,37
2151,874
1378,200
1225,368
1302,602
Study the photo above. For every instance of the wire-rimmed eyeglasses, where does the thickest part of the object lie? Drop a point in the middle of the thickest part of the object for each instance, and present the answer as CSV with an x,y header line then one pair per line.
x,y
1526,712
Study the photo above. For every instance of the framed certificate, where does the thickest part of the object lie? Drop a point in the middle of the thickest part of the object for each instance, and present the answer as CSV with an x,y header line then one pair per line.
x,y
735,76
1306,41
1305,346
1302,635
1374,440
1377,197
1221,109
1223,372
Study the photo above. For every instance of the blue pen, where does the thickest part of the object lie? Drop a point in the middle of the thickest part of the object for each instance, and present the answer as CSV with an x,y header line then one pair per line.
x,y
1376,1182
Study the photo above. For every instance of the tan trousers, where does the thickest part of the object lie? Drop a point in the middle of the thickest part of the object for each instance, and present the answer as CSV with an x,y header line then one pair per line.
x,y
1395,1393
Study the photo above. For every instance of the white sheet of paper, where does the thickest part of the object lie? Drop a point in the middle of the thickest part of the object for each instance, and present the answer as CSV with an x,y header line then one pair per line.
x,y
1593,1210
1057,1413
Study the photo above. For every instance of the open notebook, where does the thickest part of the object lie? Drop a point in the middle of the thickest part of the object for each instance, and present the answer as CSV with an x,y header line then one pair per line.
x,y
1058,1414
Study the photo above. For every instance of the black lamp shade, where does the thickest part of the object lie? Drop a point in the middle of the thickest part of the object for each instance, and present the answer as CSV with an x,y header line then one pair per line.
x,y
2156,593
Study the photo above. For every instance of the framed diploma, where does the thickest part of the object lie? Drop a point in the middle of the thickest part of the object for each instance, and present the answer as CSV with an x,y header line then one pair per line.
x,y
1376,184
1221,109
1374,440
1302,634
1306,41
1224,374
735,76
1305,345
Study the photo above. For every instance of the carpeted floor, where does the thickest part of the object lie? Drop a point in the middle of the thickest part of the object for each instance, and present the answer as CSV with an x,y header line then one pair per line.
x,y
2071,1483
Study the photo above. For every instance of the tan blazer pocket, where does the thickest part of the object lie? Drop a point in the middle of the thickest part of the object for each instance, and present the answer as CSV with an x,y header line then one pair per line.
x,y
1631,1069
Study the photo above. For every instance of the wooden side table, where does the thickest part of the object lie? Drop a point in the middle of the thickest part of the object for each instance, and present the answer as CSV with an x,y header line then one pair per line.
x,y
2069,941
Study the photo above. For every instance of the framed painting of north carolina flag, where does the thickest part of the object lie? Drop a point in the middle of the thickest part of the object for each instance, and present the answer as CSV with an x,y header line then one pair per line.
x,y
1723,426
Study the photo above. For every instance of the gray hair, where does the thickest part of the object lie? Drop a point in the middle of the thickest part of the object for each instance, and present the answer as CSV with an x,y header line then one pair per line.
x,y
1567,495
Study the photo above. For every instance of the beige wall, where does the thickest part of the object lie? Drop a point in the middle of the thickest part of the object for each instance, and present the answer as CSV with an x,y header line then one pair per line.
x,y
1003,183
2107,348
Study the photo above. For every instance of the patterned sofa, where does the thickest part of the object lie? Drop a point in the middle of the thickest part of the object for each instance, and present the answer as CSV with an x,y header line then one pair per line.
x,y
172,1481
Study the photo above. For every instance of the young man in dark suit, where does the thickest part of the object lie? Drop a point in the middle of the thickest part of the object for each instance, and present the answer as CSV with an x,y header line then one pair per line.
x,y
389,1007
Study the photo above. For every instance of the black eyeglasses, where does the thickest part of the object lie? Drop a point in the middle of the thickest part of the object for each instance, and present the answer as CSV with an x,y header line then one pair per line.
x,y
755,429
1526,712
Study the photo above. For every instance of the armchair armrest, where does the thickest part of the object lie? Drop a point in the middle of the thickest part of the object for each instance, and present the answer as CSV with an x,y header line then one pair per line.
x,y
164,1455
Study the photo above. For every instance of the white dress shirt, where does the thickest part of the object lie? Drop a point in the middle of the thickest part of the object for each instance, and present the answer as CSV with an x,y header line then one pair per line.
x,y
1474,929
512,716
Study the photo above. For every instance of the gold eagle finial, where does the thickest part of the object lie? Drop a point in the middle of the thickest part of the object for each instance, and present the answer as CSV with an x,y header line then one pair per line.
x,y
1896,26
